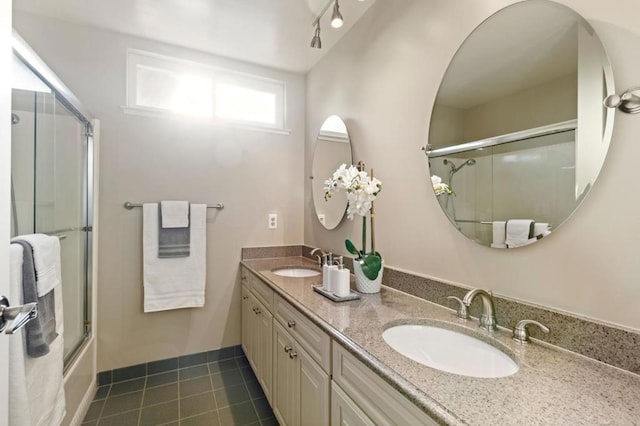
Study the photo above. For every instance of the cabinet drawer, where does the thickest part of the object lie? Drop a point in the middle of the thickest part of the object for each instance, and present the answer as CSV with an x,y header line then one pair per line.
x,y
377,399
261,290
315,341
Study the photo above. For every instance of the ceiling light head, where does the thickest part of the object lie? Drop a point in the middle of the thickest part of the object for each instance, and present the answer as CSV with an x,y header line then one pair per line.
x,y
316,43
336,16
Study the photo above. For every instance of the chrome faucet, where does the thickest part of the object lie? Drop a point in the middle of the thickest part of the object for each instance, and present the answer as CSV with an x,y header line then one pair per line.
x,y
319,257
488,317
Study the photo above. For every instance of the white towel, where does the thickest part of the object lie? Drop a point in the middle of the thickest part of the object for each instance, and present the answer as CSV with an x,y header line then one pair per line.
x,y
175,214
174,283
46,256
541,228
517,233
499,234
37,387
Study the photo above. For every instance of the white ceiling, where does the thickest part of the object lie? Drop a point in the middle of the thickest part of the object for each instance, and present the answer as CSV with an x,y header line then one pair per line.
x,y
516,49
275,33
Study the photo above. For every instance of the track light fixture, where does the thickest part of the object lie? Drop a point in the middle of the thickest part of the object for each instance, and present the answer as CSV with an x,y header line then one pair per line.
x,y
336,21
316,43
336,16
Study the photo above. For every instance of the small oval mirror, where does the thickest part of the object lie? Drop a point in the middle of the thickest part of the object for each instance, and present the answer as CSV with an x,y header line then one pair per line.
x,y
333,148
518,131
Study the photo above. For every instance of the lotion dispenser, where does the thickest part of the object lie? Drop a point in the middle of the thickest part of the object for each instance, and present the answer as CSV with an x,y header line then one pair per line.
x,y
340,279
327,259
328,270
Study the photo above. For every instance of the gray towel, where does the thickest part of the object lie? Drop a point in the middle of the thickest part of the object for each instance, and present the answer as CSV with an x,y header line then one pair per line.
x,y
173,242
41,331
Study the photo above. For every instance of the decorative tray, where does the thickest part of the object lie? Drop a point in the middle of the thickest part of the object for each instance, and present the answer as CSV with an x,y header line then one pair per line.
x,y
352,296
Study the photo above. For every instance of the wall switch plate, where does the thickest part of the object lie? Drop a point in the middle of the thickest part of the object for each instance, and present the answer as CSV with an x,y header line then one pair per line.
x,y
273,221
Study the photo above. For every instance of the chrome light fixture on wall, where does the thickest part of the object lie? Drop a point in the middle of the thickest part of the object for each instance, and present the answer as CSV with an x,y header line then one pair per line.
x,y
336,22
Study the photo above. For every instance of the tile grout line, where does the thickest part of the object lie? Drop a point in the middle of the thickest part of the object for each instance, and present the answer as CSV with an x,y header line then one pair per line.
x,y
104,403
213,392
179,403
144,389
244,382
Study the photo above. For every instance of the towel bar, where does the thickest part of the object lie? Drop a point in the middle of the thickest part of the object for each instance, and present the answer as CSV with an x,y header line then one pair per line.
x,y
130,206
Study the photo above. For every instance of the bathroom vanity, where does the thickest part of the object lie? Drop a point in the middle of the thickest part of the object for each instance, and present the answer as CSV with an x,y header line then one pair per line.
x,y
321,362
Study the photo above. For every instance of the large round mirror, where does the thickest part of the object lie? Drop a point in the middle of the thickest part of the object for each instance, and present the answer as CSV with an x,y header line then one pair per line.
x,y
518,132
333,148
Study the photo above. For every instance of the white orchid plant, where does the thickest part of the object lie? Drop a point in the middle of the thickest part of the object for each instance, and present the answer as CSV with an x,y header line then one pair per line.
x,y
440,188
361,190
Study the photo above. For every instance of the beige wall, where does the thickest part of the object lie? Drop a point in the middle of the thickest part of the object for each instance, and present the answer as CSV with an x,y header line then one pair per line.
x,y
148,159
548,103
383,78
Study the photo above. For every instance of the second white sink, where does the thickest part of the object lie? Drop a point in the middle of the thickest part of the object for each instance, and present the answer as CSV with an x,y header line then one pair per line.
x,y
296,272
449,351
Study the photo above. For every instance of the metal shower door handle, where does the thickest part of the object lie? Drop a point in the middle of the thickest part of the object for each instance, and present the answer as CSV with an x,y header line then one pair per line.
x,y
16,317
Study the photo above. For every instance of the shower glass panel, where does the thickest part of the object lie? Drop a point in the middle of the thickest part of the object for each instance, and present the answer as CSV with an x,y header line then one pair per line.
x,y
50,190
528,179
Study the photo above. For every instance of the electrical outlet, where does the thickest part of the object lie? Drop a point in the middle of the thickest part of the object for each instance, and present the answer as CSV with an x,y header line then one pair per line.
x,y
273,221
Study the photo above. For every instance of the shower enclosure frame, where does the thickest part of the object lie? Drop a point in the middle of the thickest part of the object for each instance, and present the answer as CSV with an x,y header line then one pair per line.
x,y
64,95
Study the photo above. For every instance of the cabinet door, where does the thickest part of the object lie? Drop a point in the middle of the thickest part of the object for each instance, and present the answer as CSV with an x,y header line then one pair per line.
x,y
264,351
246,322
344,412
254,335
285,378
314,390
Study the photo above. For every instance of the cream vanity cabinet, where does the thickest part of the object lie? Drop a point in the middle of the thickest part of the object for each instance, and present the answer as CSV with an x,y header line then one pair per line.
x,y
257,324
301,365
308,380
361,397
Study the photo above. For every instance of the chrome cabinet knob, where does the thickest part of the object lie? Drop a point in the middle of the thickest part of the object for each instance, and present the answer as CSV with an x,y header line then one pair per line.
x,y
292,355
521,333
291,324
288,348
245,297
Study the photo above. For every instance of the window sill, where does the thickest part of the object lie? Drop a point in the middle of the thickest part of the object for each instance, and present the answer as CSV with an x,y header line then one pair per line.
x,y
218,123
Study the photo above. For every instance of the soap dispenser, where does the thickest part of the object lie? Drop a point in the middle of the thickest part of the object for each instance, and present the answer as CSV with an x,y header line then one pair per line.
x,y
326,258
327,270
340,279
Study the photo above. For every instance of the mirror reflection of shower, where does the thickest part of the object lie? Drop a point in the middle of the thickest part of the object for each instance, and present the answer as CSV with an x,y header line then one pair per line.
x,y
453,169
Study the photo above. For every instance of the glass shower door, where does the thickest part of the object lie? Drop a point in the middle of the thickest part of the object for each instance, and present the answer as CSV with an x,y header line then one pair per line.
x,y
51,182
60,208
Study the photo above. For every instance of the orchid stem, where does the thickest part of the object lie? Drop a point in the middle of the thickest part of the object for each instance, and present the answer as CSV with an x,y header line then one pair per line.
x,y
364,235
373,235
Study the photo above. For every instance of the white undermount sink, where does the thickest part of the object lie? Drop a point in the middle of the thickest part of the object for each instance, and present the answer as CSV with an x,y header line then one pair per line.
x,y
449,351
296,272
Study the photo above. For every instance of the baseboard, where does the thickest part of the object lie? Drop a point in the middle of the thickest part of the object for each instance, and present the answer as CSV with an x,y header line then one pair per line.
x,y
81,412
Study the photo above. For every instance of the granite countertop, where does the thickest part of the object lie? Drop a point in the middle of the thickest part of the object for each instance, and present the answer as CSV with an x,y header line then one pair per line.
x,y
552,386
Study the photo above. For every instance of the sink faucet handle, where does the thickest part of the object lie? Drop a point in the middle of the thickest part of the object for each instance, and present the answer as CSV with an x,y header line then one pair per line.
x,y
521,333
319,257
462,312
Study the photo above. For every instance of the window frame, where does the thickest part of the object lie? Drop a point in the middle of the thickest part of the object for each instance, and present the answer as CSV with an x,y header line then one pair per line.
x,y
141,58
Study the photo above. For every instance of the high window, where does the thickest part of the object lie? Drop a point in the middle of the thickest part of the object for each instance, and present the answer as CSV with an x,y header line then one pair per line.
x,y
161,85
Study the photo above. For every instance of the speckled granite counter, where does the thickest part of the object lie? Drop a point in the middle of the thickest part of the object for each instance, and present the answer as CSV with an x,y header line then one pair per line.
x,y
552,387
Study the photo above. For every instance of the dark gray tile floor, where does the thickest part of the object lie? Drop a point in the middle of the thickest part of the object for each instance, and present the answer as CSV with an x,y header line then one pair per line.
x,y
221,393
